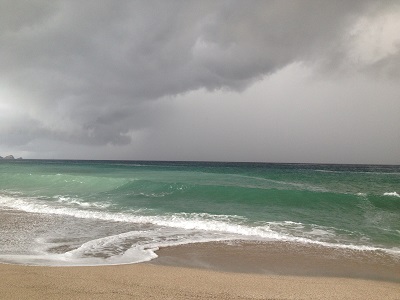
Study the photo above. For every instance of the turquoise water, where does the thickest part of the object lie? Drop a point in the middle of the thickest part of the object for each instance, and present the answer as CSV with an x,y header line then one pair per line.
x,y
111,212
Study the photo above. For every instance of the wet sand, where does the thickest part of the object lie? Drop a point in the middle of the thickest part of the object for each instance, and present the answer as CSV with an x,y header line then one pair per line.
x,y
282,258
217,271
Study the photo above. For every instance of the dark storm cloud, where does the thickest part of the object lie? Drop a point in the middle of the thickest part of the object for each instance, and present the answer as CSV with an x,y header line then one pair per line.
x,y
85,70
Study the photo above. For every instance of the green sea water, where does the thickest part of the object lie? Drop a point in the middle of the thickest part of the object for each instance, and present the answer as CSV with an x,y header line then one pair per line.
x,y
110,212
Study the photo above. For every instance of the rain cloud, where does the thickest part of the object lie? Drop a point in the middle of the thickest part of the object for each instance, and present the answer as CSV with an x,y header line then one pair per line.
x,y
113,73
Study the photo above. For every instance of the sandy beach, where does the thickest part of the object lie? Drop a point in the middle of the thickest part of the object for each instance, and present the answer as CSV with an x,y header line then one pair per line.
x,y
145,281
215,271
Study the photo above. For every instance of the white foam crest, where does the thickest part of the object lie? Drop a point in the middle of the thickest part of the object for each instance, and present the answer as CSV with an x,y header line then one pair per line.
x,y
206,223
393,194
183,221
78,202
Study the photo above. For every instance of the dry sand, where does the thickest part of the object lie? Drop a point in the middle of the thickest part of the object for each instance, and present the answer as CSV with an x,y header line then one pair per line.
x,y
147,281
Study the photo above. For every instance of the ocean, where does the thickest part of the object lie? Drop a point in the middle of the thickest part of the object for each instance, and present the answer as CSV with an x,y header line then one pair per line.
x,y
69,213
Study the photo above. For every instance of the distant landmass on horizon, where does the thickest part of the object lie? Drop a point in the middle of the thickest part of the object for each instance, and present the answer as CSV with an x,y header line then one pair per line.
x,y
9,157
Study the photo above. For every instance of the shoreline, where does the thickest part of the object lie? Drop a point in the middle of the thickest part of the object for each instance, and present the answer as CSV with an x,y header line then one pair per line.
x,y
216,270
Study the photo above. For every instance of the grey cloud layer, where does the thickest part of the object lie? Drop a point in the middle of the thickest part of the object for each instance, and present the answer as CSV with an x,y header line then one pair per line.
x,y
85,71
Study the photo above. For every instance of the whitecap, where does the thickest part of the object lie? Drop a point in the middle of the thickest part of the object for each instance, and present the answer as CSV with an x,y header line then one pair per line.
x,y
79,202
393,194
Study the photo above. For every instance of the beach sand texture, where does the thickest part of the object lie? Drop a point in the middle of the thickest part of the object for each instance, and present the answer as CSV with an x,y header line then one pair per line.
x,y
146,281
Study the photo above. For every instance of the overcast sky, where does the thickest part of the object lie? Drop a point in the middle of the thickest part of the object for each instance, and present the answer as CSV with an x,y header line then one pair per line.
x,y
271,81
